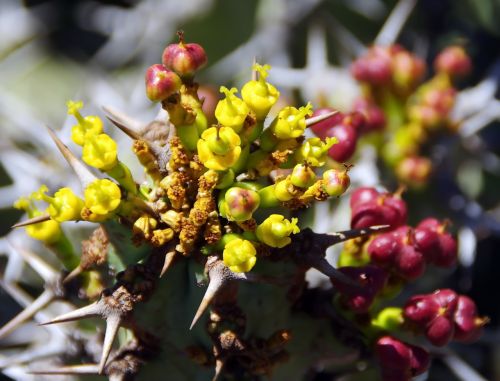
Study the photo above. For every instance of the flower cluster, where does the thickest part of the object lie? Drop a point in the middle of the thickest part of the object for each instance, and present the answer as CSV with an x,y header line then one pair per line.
x,y
382,264
397,111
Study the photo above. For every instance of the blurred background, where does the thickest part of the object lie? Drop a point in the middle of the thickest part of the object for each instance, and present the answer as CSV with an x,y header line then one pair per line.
x,y
97,51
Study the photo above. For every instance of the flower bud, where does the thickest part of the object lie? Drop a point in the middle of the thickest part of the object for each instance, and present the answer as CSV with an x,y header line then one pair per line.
x,y
383,249
241,203
231,111
410,263
64,206
320,129
87,126
335,182
440,331
275,231
161,83
219,148
313,151
303,176
184,59
468,325
239,255
453,61
346,142
362,195
100,151
260,95
414,170
389,319
375,67
102,196
420,310
374,116
371,280
47,231
291,122
408,70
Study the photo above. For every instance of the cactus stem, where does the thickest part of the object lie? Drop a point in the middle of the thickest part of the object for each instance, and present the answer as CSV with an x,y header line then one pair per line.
x,y
319,118
169,259
113,323
83,173
32,221
70,370
38,304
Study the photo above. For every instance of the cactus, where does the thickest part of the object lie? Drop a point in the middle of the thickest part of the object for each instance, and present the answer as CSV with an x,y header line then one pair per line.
x,y
199,273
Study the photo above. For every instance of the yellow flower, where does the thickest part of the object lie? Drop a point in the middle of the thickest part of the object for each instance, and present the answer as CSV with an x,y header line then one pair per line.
x,y
64,206
47,231
100,151
219,148
291,122
275,231
260,95
314,151
239,255
86,127
232,111
102,196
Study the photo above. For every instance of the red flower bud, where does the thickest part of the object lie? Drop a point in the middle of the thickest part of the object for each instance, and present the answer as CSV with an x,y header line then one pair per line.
x,y
320,129
410,263
161,83
383,249
440,331
420,310
184,59
374,116
346,142
468,325
362,195
453,61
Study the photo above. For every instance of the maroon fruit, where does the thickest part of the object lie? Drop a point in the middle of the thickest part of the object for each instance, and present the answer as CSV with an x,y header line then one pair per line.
x,y
374,116
321,128
468,325
383,249
371,280
420,310
410,263
346,142
440,331
362,195
453,61
427,242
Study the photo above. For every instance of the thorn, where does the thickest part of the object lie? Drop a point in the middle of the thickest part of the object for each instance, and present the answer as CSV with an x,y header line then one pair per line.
x,y
255,74
354,233
94,309
42,268
73,274
169,259
70,370
213,287
83,173
112,325
319,118
327,269
219,365
38,304
128,125
32,221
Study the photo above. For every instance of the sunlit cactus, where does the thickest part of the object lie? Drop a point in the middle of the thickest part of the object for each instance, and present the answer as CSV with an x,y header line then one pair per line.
x,y
222,209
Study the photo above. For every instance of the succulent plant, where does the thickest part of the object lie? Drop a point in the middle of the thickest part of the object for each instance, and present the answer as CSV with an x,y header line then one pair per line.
x,y
222,206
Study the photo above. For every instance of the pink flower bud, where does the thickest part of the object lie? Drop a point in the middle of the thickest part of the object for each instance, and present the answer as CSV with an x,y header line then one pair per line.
x,y
184,59
161,83
453,61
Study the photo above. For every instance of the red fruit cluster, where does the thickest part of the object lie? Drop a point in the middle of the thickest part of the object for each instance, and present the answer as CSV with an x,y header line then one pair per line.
x,y
400,361
444,316
371,280
370,207
344,127
405,251
389,65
